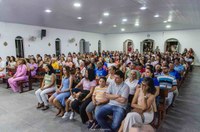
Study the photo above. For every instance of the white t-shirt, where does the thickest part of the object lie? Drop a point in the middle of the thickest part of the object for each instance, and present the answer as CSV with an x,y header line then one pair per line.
x,y
3,65
132,85
109,80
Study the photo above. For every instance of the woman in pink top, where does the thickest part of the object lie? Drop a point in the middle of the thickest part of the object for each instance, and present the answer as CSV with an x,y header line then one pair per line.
x,y
85,98
18,76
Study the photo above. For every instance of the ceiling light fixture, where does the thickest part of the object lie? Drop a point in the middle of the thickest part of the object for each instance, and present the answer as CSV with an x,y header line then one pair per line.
x,y
143,8
169,20
122,29
106,13
79,18
48,11
165,21
100,22
168,26
137,24
114,25
124,20
77,4
157,15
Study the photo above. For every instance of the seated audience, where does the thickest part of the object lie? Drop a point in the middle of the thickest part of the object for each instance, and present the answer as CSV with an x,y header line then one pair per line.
x,y
117,93
2,68
98,99
63,92
111,75
48,86
33,67
100,71
20,75
142,104
167,82
88,83
132,82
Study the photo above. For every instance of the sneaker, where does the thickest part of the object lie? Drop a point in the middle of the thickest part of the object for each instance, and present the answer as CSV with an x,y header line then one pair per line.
x,y
91,123
72,116
66,115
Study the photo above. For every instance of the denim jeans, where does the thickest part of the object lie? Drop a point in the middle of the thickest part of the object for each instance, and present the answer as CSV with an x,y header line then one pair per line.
x,y
117,112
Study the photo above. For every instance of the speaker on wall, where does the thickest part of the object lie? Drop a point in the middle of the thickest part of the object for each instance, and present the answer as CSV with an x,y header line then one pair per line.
x,y
43,33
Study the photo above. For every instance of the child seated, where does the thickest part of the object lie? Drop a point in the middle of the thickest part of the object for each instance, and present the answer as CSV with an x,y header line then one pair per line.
x,y
98,100
79,96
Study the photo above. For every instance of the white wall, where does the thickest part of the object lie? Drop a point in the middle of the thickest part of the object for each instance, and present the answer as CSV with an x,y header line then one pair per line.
x,y
10,31
187,39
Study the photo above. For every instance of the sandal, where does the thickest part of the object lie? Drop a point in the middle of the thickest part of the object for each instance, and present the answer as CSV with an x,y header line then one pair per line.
x,y
45,108
40,105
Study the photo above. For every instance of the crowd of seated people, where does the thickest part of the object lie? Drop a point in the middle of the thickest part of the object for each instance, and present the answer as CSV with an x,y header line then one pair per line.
x,y
111,90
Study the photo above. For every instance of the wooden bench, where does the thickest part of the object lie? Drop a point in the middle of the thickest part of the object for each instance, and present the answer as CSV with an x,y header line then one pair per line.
x,y
24,82
162,105
39,76
10,73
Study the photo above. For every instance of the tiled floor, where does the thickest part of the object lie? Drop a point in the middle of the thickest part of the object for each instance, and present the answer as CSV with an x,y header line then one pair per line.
x,y
18,112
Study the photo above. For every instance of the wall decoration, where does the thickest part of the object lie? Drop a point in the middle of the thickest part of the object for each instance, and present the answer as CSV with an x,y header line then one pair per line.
x,y
49,44
5,43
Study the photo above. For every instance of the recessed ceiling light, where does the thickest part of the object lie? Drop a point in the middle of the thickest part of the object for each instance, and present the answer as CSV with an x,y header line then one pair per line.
x,y
77,4
168,26
122,29
169,20
106,13
79,18
137,24
48,11
165,21
124,20
100,22
157,15
114,25
143,8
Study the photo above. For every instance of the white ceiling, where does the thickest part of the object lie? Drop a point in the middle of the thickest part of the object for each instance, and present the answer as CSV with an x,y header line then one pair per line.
x,y
185,14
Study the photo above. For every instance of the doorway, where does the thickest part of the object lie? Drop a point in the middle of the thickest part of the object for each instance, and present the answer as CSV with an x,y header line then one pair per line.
x,y
19,46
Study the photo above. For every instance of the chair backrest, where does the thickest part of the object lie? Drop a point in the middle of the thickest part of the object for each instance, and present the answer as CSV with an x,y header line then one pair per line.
x,y
163,94
40,71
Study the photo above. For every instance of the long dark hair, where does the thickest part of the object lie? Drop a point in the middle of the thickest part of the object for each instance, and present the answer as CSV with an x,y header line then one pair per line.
x,y
51,70
91,74
149,81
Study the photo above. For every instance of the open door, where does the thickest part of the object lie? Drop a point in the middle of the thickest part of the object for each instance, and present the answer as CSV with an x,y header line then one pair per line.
x,y
99,46
57,47
128,46
172,45
147,45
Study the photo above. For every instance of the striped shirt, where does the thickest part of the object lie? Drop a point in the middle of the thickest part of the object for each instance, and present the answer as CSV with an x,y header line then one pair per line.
x,y
100,93
166,81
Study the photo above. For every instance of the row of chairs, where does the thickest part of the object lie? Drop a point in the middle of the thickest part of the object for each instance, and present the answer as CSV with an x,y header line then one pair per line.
x,y
162,107
31,79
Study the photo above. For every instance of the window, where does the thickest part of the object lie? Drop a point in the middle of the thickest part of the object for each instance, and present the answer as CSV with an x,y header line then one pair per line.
x,y
19,45
57,46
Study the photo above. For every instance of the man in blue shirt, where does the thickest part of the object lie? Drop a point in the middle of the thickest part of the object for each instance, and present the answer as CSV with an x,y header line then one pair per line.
x,y
178,67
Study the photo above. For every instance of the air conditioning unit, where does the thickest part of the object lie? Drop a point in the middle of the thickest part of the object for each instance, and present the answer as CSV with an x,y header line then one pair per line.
x,y
32,38
71,40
